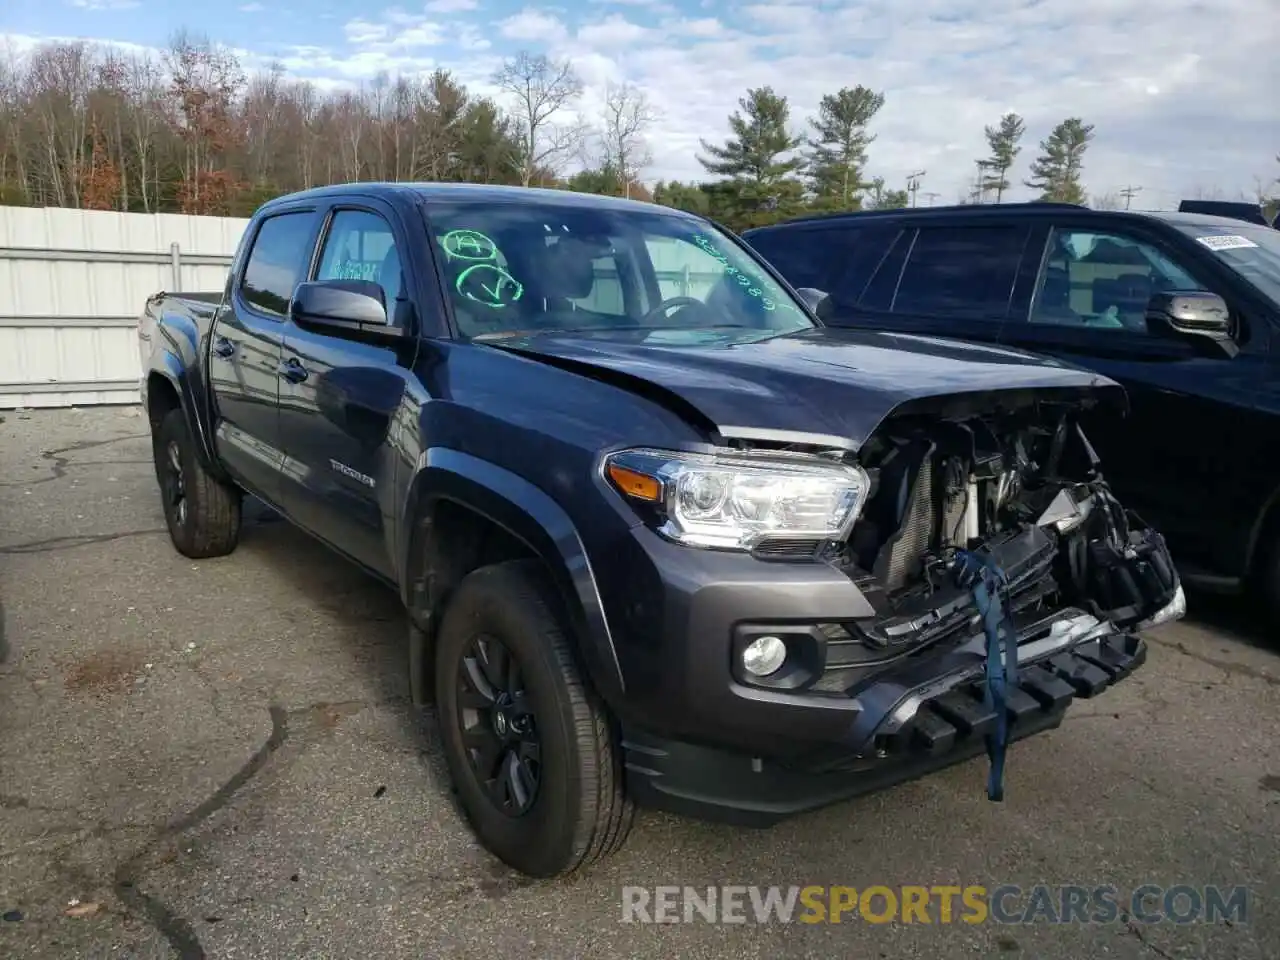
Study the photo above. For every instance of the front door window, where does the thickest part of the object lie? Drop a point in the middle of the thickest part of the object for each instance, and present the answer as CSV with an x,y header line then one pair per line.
x,y
1103,280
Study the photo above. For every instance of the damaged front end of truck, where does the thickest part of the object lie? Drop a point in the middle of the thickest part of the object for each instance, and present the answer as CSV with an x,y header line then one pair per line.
x,y
1006,579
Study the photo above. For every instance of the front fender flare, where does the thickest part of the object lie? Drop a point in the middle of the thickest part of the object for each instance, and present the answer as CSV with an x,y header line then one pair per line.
x,y
532,517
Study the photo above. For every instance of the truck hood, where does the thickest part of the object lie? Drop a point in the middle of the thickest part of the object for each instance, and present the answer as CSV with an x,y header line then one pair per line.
x,y
824,386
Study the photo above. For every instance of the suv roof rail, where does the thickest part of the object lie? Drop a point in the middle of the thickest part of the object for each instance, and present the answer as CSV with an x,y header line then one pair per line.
x,y
947,208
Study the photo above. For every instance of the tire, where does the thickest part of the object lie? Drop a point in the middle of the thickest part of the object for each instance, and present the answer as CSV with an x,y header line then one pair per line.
x,y
578,812
202,513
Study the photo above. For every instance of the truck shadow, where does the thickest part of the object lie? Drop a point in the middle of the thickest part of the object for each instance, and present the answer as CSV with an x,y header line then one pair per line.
x,y
369,615
1234,617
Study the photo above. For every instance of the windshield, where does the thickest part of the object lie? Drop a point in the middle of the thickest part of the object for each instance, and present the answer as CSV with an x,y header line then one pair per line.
x,y
1251,251
528,267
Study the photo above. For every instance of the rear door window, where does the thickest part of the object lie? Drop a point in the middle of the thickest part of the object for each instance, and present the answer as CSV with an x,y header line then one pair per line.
x,y
362,246
961,271
278,261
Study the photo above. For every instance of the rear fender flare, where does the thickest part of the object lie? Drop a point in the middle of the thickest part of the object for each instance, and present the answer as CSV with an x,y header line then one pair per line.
x,y
169,367
530,516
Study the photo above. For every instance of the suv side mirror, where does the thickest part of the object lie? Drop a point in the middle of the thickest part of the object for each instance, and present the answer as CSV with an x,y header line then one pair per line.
x,y
816,300
1194,313
354,309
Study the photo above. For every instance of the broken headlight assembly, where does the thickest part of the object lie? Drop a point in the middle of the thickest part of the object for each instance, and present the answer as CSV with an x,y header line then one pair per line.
x,y
735,502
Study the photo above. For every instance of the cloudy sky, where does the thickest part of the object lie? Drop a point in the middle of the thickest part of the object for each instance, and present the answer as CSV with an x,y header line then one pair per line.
x,y
1182,93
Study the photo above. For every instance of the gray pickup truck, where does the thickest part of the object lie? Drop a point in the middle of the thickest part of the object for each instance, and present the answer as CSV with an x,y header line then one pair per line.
x,y
661,536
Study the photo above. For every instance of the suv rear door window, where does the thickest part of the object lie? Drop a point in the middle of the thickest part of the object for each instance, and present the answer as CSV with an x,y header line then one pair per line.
x,y
965,271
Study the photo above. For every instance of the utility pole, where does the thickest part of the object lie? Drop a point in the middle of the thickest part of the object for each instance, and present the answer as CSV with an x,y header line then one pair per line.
x,y
1129,193
931,196
913,184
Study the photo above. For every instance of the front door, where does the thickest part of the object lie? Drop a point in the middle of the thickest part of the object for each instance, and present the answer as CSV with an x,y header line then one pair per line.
x,y
1182,458
339,397
244,355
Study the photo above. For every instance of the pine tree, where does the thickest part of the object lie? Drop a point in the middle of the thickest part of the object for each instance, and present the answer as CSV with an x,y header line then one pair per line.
x,y
1056,172
1004,142
839,154
754,159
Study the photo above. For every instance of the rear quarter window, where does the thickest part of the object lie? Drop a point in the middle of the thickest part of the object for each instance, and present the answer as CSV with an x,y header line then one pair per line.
x,y
837,260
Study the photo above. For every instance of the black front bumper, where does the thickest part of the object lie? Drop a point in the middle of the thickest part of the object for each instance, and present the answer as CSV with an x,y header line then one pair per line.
x,y
939,723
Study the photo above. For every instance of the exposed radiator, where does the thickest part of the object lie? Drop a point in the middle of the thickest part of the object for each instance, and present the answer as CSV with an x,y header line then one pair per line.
x,y
912,538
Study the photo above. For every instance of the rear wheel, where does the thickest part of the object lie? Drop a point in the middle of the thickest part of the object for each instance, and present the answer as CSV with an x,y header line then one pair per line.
x,y
531,750
202,512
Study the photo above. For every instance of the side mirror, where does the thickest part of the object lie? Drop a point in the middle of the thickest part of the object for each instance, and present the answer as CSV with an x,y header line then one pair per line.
x,y
816,300
354,309
1192,313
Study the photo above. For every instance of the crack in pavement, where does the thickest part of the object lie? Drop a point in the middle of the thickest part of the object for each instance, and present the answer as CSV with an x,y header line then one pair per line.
x,y
1136,930
178,931
61,463
70,543
1228,667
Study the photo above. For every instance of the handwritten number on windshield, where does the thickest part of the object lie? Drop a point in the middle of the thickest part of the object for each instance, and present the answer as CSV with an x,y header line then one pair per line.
x,y
743,279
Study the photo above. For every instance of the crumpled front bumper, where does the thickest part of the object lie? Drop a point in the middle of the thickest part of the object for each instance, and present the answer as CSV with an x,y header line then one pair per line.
x,y
922,716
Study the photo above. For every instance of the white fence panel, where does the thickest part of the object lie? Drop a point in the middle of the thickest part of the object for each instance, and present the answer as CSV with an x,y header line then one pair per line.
x,y
72,285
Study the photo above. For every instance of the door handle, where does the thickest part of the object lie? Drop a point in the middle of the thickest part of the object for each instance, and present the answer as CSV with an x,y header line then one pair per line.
x,y
293,370
223,347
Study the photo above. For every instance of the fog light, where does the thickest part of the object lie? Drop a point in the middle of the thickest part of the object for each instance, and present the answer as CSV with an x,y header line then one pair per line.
x,y
764,656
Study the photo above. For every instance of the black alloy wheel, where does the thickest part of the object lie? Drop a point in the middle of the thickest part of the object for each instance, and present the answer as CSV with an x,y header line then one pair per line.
x,y
174,483
533,753
498,724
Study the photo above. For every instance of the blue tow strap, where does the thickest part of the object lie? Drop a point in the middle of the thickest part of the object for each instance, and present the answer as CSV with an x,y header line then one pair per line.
x,y
989,581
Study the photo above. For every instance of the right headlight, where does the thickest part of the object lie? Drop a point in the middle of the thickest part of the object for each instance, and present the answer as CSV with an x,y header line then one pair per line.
x,y
734,501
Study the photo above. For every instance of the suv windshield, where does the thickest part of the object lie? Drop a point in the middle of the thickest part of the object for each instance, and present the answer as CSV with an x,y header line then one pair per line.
x,y
1251,251
529,267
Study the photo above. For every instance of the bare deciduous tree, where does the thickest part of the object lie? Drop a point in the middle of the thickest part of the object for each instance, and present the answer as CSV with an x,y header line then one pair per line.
x,y
541,88
627,118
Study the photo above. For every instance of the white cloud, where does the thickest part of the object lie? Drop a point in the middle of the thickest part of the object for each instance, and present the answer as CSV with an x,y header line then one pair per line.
x,y
451,6
251,8
470,37
614,31
397,31
530,25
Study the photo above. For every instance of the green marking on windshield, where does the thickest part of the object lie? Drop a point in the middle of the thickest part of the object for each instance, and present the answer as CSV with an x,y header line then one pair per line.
x,y
469,245
747,282
489,284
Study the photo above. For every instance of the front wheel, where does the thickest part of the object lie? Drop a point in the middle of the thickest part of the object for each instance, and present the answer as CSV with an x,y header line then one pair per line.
x,y
202,513
530,748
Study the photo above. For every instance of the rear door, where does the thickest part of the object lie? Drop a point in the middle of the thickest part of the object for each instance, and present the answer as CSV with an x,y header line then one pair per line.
x,y
944,278
245,353
339,397
1184,455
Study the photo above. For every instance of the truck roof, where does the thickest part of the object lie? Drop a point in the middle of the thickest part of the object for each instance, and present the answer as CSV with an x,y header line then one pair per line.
x,y
492,193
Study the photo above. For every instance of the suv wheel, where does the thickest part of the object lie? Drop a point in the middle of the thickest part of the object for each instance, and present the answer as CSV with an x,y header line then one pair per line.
x,y
202,513
531,750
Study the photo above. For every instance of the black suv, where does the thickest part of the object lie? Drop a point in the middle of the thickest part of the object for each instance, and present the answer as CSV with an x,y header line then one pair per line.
x,y
1182,309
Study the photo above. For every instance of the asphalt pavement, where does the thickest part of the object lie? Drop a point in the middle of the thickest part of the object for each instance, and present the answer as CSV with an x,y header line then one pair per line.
x,y
219,759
